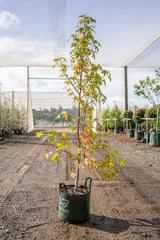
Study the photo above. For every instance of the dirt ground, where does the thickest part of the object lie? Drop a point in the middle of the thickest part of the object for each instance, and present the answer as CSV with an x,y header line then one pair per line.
x,y
29,192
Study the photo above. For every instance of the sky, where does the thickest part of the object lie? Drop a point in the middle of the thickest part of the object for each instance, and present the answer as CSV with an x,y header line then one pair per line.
x,y
34,32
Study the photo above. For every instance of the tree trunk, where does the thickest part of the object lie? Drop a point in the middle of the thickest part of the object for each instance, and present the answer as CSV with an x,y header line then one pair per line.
x,y
77,178
78,135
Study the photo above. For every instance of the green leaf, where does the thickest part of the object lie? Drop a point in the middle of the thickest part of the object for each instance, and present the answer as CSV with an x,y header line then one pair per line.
x,y
67,146
55,157
122,162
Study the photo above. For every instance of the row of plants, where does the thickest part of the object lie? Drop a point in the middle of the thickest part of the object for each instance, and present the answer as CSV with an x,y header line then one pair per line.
x,y
134,118
13,119
140,124
148,88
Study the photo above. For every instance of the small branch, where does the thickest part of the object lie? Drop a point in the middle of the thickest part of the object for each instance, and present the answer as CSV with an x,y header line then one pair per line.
x,y
66,75
72,84
36,225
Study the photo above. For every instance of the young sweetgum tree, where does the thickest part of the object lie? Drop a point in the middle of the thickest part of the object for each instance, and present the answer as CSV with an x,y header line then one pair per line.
x,y
84,85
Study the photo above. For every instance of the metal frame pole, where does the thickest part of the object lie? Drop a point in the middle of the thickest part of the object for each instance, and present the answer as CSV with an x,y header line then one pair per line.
x,y
28,88
115,126
126,87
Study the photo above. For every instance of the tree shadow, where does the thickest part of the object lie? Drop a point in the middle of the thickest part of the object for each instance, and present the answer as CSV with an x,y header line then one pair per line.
x,y
155,222
151,226
111,225
116,226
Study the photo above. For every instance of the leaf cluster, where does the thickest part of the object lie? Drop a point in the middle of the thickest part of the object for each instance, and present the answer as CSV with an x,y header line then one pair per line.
x,y
112,114
149,88
138,115
84,85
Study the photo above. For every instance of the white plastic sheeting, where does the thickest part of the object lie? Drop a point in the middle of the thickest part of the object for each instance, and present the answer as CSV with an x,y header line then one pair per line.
x,y
32,33
30,123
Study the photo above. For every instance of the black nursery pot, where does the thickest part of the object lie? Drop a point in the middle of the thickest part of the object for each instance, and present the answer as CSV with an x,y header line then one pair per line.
x,y
74,208
6,133
130,133
18,131
138,135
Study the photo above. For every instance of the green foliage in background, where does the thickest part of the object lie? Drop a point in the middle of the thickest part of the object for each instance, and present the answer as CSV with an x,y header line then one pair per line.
x,y
129,114
149,88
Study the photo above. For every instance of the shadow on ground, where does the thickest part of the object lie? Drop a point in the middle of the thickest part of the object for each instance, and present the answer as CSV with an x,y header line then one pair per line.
x,y
116,226
111,225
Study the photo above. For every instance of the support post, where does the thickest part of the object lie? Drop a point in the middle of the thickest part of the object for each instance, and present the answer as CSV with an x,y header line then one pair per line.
x,y
1,122
28,88
12,99
126,87
30,124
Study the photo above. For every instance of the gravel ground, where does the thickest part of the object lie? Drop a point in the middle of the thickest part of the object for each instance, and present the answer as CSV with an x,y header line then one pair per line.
x,y
29,191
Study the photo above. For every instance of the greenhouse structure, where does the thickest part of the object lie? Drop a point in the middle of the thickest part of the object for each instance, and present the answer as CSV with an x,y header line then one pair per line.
x,y
33,33
79,119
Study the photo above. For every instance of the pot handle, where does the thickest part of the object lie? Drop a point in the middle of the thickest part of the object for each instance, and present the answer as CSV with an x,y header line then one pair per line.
x,y
89,178
62,184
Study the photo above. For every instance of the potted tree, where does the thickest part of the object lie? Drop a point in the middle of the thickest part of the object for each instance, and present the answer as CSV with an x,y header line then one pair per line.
x,y
137,117
128,114
84,85
153,133
106,119
149,88
151,115
115,116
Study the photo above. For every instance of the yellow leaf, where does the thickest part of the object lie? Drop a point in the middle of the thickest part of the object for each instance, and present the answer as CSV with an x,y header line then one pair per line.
x,y
67,82
63,134
75,75
76,68
67,116
86,154
58,116
45,155
117,176
39,134
80,165
72,175
79,150
55,157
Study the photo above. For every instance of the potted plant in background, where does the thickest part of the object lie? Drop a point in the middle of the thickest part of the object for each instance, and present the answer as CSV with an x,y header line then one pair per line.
x,y
115,116
137,117
128,114
149,88
106,119
151,113
84,85
154,137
